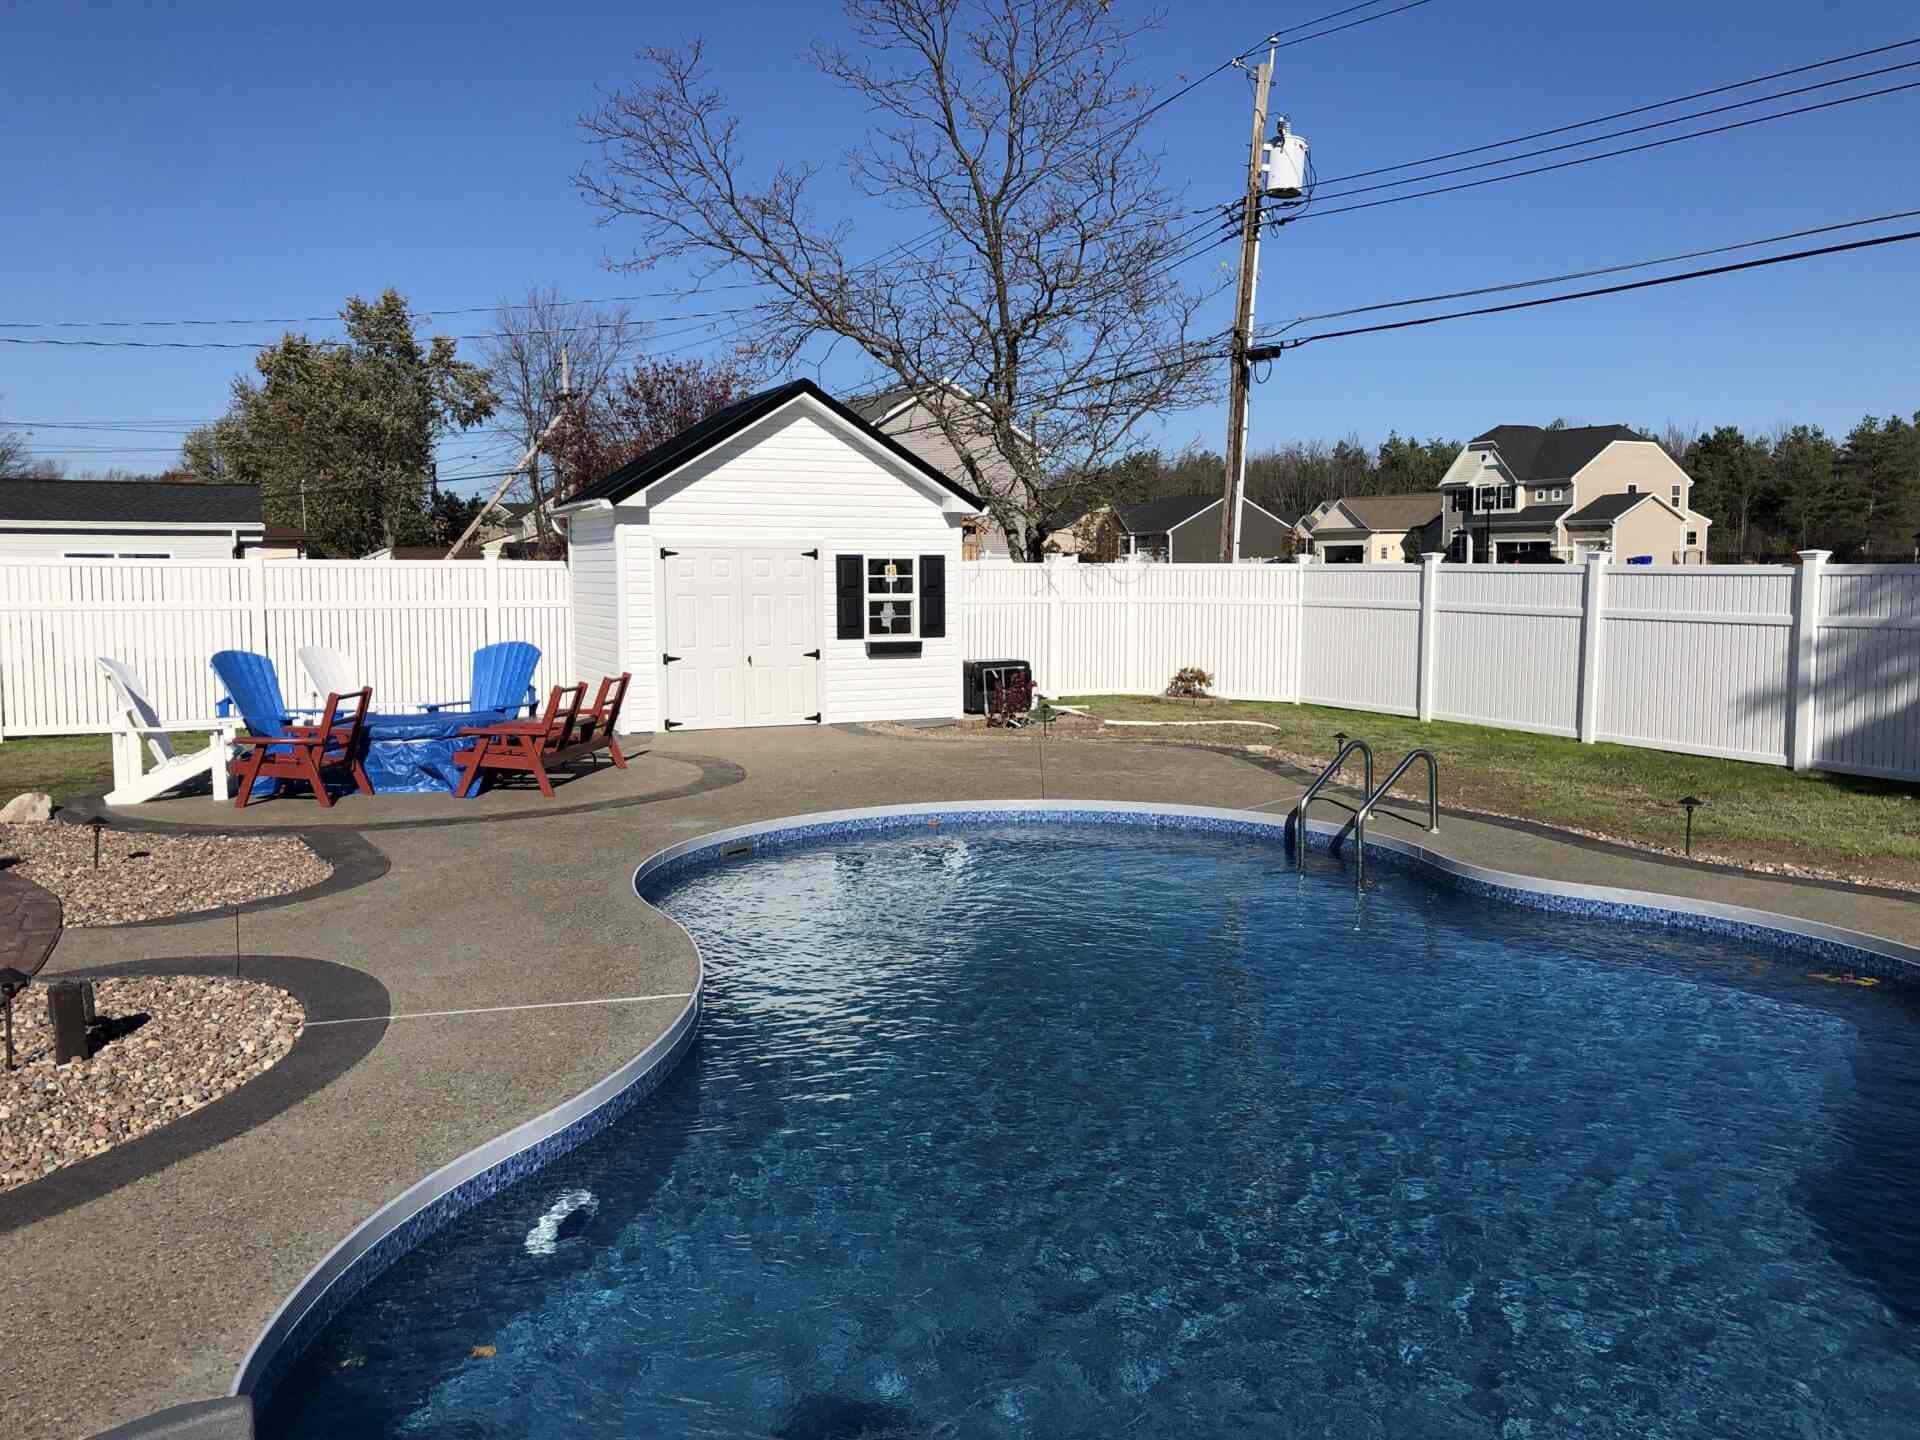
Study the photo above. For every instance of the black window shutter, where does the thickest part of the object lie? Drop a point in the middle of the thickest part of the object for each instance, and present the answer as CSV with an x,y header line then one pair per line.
x,y
849,573
933,596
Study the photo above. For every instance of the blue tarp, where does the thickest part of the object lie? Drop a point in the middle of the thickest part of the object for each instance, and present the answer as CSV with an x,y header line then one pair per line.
x,y
420,754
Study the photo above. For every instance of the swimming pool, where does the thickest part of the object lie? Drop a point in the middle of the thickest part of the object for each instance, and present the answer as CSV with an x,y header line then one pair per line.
x,y
1058,1130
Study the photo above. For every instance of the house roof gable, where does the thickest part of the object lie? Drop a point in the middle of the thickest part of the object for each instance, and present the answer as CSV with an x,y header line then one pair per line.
x,y
1392,512
1157,517
693,442
1605,509
129,502
1533,454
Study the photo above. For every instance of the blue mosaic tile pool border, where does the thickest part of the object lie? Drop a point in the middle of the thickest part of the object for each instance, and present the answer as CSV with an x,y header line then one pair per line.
x,y
1858,953
386,1236
450,1192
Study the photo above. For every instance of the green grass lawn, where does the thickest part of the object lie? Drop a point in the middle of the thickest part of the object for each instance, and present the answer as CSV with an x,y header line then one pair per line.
x,y
1753,812
66,766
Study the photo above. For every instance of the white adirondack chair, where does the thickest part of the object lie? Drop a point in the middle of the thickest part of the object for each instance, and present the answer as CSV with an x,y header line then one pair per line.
x,y
136,721
331,672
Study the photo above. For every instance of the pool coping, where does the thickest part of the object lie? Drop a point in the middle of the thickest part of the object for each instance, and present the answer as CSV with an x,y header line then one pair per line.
x,y
446,1193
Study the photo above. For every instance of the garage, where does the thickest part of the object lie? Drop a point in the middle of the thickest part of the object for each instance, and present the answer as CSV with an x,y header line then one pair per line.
x,y
780,563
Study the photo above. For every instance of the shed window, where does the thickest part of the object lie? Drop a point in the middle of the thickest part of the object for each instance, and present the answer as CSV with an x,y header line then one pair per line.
x,y
890,597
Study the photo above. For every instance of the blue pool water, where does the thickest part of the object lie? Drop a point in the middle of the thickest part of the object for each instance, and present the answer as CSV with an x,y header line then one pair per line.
x,y
1074,1131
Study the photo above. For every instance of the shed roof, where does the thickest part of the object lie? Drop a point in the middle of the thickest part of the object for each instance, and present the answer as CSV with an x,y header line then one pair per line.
x,y
129,502
725,423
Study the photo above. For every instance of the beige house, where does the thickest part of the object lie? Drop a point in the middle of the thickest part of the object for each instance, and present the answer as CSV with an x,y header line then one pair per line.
x,y
1376,529
904,415
1522,494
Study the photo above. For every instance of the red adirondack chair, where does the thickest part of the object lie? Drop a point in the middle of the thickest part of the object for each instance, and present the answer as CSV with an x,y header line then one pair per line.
x,y
526,746
599,725
306,752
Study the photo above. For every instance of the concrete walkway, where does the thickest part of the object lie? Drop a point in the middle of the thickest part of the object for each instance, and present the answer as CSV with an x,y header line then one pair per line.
x,y
150,1294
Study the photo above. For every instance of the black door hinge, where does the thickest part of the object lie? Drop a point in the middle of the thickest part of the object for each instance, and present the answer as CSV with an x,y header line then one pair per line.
x,y
671,724
811,554
815,717
666,554
811,654
668,659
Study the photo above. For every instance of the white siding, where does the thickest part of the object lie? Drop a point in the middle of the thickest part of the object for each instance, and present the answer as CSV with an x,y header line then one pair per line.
x,y
55,544
639,554
596,588
799,479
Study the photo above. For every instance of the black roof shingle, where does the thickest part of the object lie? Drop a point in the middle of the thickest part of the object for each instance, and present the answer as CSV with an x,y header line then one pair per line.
x,y
129,502
1605,509
1156,517
1534,454
723,424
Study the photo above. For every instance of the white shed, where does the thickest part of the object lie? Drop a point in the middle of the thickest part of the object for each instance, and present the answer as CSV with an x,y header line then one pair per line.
x,y
783,562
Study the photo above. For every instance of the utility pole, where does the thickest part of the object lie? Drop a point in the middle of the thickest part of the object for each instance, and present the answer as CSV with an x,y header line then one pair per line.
x,y
560,403
1241,374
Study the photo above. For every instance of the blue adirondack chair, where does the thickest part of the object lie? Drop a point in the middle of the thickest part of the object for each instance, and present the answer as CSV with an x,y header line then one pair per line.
x,y
253,687
502,679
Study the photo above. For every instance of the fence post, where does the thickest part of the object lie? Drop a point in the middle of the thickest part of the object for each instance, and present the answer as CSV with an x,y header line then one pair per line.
x,y
1303,568
1056,675
492,572
1593,606
1807,581
1133,684
1429,633
256,573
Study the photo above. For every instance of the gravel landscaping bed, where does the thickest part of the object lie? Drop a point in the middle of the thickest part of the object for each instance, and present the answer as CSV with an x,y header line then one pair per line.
x,y
163,1047
151,876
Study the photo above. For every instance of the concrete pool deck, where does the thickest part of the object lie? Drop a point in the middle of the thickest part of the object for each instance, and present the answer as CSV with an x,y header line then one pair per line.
x,y
150,1294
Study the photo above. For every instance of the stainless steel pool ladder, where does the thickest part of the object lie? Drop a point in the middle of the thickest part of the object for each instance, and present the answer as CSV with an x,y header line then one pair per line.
x,y
1370,803
1326,778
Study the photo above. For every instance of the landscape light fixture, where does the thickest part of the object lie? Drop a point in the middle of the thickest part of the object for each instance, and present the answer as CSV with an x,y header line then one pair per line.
x,y
1690,803
12,982
96,824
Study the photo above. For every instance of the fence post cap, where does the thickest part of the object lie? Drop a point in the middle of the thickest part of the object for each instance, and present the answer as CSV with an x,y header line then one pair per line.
x,y
1815,557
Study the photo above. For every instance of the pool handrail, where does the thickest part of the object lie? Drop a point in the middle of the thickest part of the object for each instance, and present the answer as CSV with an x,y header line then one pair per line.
x,y
1326,778
1433,788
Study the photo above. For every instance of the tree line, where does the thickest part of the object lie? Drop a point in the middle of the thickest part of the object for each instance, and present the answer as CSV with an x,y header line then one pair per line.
x,y
1769,495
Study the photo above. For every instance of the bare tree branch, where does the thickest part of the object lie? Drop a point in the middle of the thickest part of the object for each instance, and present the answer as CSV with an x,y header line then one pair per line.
x,y
1044,286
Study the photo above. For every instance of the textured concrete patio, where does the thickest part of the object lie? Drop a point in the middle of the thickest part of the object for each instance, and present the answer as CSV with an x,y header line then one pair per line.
x,y
150,1293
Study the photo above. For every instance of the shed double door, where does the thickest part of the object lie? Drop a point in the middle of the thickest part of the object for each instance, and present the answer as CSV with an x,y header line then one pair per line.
x,y
740,637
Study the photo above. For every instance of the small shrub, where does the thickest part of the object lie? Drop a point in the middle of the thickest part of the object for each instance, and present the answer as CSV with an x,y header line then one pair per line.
x,y
1191,683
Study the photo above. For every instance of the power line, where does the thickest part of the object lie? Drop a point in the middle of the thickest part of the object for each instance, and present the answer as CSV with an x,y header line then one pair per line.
x,y
1267,352
1630,130
1610,154
1625,114
1602,270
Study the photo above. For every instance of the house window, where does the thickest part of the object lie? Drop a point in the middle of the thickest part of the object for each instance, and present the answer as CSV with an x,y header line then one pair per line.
x,y
1633,489
1460,500
1693,538
1487,497
1509,497
1557,494
890,598
1383,552
1676,502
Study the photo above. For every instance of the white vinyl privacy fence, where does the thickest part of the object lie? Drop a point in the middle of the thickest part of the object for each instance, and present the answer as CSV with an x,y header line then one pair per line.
x,y
410,628
1816,665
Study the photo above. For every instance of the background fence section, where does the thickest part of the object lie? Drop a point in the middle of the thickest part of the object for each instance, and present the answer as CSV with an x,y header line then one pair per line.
x,y
1810,665
412,628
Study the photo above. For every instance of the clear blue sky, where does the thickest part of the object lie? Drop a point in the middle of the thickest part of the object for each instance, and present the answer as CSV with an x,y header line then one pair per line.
x,y
235,161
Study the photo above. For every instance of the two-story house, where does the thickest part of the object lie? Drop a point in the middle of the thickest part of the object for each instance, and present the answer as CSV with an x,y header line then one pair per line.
x,y
1522,494
908,418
